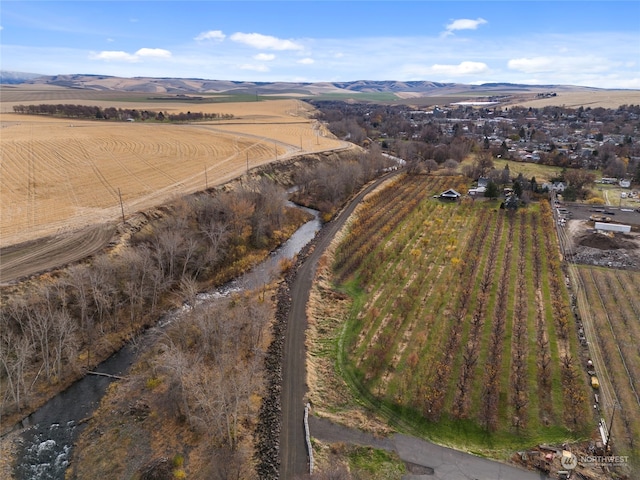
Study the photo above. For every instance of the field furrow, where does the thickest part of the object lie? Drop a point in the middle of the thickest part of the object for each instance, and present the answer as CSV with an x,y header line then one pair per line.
x,y
67,174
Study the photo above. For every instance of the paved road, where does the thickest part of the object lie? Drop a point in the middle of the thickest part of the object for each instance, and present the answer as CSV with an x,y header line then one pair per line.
x,y
293,451
440,463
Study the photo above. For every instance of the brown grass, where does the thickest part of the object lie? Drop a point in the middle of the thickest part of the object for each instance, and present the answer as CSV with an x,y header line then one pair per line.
x,y
61,174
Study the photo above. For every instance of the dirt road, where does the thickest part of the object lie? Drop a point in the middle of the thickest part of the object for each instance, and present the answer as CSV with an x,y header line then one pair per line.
x,y
40,255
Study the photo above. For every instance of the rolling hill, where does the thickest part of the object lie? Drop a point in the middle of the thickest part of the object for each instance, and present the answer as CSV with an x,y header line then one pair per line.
x,y
198,85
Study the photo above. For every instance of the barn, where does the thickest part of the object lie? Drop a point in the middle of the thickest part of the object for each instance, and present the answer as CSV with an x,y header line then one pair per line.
x,y
450,194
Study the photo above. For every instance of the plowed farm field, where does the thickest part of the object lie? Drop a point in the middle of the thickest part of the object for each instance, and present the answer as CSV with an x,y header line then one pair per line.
x,y
60,175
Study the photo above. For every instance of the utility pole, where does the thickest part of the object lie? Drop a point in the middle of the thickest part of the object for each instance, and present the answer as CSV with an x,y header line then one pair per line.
x,y
121,206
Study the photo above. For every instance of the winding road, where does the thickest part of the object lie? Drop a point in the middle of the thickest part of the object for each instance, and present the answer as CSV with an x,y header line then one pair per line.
x,y
440,462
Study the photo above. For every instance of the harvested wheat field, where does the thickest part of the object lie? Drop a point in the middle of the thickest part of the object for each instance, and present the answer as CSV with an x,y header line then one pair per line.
x,y
60,174
593,99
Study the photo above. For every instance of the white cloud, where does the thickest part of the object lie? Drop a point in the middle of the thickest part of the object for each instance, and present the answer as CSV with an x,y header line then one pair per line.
x,y
265,57
531,65
306,61
120,56
463,68
210,35
464,24
153,52
265,42
562,65
113,55
254,67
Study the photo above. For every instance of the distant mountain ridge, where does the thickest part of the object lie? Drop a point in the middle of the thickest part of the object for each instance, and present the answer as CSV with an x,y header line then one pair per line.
x,y
198,85
8,77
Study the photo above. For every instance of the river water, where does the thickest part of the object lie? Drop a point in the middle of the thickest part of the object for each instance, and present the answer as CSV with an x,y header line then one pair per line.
x,y
46,443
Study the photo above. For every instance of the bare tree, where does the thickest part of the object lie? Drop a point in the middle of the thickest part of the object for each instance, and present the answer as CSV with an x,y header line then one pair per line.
x,y
483,162
15,354
64,342
230,464
217,234
271,202
101,276
451,165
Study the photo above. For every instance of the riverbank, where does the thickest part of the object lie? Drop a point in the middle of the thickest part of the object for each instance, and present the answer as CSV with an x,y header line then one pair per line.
x,y
104,346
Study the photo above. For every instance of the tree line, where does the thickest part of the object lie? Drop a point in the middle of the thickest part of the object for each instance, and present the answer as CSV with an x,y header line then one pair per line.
x,y
55,328
60,326
115,114
327,184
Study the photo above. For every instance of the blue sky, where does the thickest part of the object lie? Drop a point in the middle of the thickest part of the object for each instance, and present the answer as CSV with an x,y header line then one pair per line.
x,y
591,43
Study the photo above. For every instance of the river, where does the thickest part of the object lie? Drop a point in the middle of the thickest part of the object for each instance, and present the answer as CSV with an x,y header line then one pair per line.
x,y
46,443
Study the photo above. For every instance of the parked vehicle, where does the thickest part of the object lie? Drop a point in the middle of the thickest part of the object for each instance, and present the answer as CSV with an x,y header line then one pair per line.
x,y
594,382
599,218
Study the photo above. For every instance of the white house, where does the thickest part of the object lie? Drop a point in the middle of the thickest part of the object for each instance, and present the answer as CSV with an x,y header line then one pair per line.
x,y
477,192
555,186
